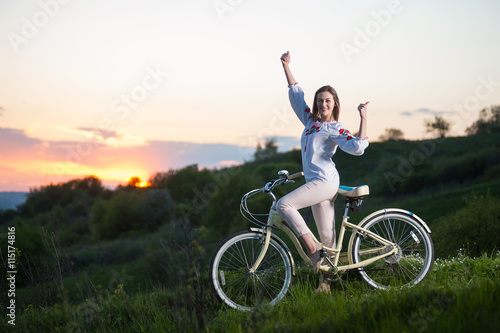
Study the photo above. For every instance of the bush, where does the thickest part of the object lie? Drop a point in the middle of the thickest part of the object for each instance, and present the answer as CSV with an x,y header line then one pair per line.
x,y
476,227
392,134
109,220
155,208
130,211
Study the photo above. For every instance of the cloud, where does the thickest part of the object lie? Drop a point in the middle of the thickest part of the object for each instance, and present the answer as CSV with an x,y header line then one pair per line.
x,y
2,109
108,137
425,111
91,133
101,134
179,154
16,141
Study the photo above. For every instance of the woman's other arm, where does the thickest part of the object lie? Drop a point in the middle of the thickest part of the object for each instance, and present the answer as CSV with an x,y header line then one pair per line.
x,y
362,125
285,60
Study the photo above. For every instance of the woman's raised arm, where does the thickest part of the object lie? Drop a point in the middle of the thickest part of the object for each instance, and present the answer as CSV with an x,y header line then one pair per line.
x,y
362,108
285,60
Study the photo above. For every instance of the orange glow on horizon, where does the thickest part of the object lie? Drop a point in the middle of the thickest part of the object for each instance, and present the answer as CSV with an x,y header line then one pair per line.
x,y
22,173
142,184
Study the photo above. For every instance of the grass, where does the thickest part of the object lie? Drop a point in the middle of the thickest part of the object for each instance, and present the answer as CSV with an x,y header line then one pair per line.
x,y
447,301
460,295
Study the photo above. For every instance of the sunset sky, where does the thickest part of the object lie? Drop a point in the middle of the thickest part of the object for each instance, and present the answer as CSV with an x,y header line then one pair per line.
x,y
128,88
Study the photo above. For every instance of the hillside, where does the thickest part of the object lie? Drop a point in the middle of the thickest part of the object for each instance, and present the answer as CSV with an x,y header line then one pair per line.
x,y
86,243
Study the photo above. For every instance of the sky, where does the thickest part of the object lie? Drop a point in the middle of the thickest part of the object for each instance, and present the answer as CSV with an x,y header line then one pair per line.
x,y
128,88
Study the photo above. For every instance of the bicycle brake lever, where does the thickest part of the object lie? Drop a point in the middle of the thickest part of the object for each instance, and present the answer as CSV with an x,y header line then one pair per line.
x,y
267,188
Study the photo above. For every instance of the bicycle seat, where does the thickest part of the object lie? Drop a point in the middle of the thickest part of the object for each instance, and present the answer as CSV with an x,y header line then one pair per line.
x,y
354,192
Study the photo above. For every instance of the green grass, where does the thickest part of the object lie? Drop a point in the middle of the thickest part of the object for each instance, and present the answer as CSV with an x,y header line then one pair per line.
x,y
447,301
460,295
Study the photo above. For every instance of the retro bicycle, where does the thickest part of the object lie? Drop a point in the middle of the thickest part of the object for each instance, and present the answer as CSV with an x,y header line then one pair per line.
x,y
390,248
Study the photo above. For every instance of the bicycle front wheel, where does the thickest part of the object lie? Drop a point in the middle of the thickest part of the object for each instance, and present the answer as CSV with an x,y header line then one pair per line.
x,y
408,266
232,280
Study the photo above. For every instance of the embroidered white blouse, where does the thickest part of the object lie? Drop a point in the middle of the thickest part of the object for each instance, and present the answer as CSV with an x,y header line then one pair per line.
x,y
320,140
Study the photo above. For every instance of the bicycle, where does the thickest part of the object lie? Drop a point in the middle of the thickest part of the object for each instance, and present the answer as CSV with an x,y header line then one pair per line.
x,y
390,248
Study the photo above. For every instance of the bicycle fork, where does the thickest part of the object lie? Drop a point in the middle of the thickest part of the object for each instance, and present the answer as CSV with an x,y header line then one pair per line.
x,y
274,220
262,253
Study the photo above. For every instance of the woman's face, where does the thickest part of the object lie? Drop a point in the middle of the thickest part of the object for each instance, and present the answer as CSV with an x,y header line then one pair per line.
x,y
325,104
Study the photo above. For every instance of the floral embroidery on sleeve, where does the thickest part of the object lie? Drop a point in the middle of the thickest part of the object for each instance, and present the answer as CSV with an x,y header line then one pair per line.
x,y
346,133
307,110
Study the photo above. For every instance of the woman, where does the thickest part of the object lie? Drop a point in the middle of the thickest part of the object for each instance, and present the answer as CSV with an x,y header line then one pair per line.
x,y
320,139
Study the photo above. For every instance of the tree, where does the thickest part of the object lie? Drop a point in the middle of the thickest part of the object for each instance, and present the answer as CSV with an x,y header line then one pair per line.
x,y
439,125
392,134
134,181
270,149
488,122
74,192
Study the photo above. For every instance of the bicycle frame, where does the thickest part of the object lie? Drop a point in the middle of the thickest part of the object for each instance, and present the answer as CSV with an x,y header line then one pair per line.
x,y
275,221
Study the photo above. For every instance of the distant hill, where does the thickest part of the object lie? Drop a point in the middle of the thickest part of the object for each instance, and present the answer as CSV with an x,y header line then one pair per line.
x,y
12,199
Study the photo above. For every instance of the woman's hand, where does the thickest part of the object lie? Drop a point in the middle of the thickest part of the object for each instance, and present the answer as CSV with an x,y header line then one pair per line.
x,y
362,108
285,58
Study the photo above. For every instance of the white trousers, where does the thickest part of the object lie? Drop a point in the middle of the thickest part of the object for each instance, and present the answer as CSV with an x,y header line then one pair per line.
x,y
318,195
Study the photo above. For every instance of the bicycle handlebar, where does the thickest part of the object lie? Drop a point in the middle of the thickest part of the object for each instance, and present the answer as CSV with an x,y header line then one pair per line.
x,y
285,178
296,175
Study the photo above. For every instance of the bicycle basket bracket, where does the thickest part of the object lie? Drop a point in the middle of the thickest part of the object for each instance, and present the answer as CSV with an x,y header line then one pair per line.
x,y
259,219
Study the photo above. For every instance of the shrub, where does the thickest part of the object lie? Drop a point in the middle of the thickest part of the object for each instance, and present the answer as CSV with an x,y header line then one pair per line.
x,y
130,211
109,220
392,134
475,227
155,207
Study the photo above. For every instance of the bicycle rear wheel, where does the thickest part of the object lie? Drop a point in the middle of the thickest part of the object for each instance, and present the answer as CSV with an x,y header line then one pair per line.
x,y
409,265
235,285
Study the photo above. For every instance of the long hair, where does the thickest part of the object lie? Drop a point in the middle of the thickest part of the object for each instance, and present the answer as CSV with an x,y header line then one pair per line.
x,y
336,108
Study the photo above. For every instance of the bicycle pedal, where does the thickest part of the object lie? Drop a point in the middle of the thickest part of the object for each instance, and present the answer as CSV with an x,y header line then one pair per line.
x,y
332,265
337,279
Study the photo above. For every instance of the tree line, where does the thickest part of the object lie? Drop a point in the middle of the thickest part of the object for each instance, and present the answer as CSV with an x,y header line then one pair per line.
x,y
488,122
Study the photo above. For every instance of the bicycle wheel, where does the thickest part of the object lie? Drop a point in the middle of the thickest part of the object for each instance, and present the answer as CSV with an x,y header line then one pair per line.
x,y
235,285
408,266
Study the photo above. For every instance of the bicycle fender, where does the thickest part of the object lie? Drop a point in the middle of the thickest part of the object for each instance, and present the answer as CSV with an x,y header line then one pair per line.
x,y
260,230
397,210
385,211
